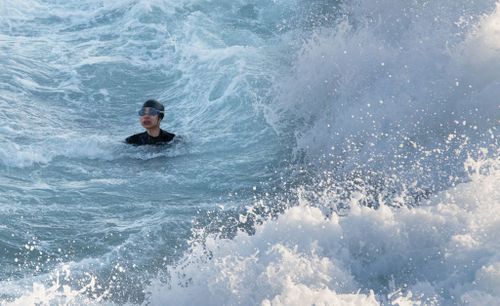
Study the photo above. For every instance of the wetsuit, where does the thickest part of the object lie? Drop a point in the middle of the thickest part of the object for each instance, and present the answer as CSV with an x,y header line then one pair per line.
x,y
145,139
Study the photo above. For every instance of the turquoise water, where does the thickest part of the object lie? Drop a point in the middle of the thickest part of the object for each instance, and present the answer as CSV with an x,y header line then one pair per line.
x,y
289,111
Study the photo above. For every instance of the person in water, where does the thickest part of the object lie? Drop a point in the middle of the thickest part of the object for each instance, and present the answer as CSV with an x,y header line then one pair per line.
x,y
151,114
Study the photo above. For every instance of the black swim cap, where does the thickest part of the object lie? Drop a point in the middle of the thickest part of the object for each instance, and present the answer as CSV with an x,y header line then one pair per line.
x,y
155,104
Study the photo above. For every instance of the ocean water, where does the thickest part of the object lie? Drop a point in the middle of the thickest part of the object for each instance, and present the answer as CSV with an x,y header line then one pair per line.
x,y
331,152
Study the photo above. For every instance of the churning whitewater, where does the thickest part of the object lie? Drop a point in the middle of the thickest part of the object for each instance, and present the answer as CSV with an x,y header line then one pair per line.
x,y
331,152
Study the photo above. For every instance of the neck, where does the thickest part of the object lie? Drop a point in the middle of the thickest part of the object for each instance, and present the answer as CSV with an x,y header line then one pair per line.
x,y
154,132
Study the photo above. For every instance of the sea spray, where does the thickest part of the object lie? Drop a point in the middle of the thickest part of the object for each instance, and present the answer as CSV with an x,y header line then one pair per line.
x,y
443,252
391,82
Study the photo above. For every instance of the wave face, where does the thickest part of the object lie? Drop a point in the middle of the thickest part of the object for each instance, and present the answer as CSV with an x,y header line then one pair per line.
x,y
331,153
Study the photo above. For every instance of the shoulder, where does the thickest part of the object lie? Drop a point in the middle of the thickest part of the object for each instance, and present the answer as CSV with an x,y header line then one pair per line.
x,y
167,136
135,139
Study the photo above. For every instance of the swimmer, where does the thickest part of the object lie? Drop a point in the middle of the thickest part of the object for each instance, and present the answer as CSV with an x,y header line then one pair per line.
x,y
151,114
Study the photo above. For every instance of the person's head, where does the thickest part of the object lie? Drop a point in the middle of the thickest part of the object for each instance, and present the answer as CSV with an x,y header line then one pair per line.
x,y
151,113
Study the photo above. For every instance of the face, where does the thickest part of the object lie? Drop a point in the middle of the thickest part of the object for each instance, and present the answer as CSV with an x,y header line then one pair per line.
x,y
148,120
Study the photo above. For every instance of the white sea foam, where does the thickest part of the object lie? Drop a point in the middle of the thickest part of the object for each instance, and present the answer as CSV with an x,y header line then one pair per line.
x,y
12,154
444,252
57,293
395,78
91,147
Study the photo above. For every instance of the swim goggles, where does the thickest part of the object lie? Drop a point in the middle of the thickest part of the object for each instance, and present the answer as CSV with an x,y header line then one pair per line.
x,y
150,112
